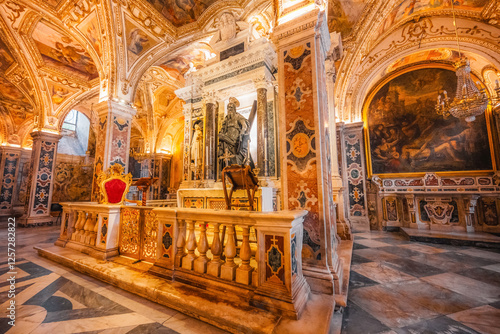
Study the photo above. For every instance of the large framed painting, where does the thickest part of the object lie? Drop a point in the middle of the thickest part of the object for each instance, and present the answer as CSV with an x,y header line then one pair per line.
x,y
405,135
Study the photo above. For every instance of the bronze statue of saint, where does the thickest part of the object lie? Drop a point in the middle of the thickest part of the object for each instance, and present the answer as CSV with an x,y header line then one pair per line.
x,y
233,136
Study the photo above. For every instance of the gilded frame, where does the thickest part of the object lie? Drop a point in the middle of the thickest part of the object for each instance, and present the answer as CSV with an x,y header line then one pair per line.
x,y
398,73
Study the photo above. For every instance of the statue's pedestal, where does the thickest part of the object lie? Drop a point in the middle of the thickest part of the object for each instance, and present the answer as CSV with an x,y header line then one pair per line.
x,y
266,198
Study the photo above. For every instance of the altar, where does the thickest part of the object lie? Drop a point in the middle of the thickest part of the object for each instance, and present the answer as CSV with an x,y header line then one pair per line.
x,y
231,104
266,199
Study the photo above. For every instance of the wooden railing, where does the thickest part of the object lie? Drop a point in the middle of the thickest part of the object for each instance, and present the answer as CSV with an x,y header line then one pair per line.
x,y
252,255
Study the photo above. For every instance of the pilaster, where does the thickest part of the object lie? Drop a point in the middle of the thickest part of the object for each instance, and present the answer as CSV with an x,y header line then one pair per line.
x,y
41,176
470,204
9,170
302,45
113,138
354,177
343,226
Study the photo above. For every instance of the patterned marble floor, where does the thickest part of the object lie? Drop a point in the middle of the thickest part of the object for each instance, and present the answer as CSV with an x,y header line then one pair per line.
x,y
54,299
397,286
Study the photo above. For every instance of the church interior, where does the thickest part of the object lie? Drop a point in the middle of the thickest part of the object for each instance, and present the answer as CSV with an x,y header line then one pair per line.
x,y
250,166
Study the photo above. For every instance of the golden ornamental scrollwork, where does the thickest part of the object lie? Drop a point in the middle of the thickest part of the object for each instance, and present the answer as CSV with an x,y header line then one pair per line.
x,y
129,232
150,235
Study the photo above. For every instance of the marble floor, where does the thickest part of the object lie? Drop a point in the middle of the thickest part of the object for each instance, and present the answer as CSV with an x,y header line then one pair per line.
x,y
397,286
51,298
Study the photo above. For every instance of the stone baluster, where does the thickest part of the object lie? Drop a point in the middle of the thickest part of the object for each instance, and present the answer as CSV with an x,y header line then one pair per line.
x,y
74,229
244,272
181,242
216,262
88,227
200,265
79,225
228,270
188,260
93,237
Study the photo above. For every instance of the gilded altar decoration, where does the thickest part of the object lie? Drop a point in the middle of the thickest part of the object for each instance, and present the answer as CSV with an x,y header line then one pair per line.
x,y
150,236
129,232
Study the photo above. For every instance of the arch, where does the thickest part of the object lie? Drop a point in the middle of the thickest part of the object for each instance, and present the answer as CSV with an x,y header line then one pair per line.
x,y
83,103
359,76
200,31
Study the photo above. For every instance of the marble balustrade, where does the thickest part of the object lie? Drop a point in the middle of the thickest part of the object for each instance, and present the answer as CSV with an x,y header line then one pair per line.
x,y
253,256
90,228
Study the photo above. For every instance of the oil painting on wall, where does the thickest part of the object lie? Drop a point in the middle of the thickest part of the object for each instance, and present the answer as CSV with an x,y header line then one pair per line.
x,y
181,12
60,51
406,135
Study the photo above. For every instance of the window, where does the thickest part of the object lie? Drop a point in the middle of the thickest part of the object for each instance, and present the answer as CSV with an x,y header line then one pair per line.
x,y
70,121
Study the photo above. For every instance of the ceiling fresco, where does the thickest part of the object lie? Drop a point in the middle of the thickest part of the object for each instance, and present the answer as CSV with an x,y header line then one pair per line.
x,y
138,42
181,12
187,59
408,8
53,3
90,29
11,97
343,15
59,94
6,58
60,52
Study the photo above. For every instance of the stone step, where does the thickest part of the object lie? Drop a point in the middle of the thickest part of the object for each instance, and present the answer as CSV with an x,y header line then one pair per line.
x,y
204,305
477,239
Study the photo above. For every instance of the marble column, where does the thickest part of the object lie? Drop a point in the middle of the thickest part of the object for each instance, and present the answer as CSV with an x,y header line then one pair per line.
x,y
262,128
210,149
113,139
302,45
41,176
9,170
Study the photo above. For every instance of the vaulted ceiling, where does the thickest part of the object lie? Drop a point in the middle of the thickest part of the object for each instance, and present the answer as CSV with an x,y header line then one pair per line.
x,y
56,55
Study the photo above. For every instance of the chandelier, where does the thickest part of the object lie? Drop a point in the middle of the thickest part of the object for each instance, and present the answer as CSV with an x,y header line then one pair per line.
x,y
140,154
469,101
